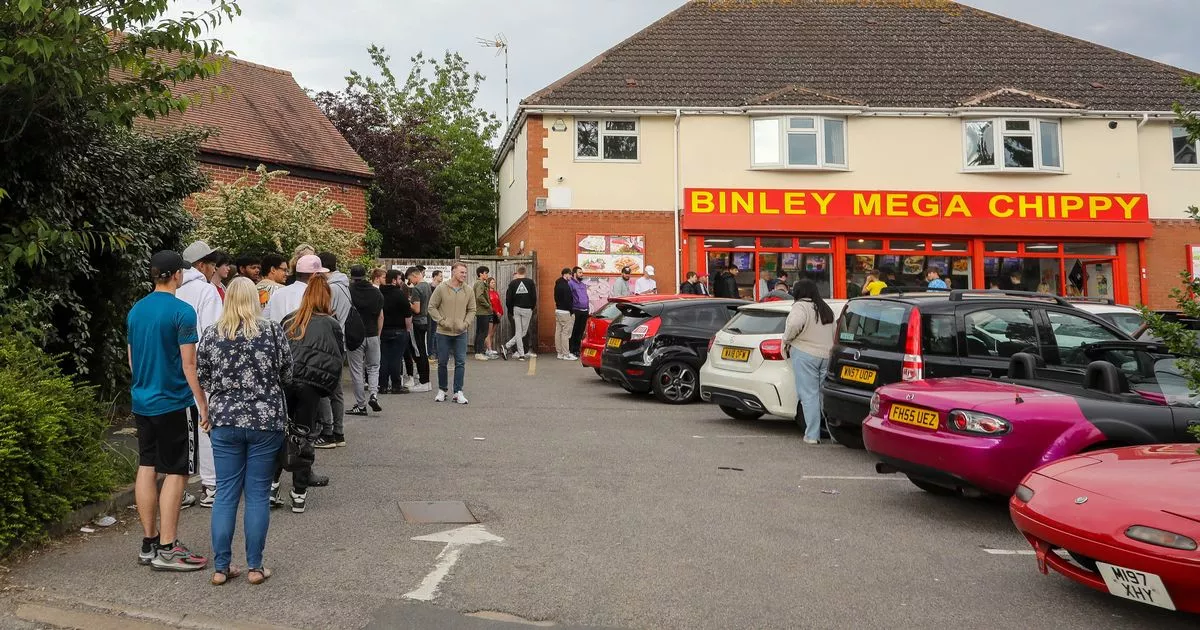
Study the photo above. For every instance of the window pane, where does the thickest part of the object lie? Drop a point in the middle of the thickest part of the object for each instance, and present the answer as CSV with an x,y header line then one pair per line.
x,y
1040,275
801,123
620,147
1000,333
938,335
728,242
1098,249
766,141
835,141
1050,155
949,246
819,243
1041,248
1017,125
802,149
906,246
864,243
620,125
1185,151
1006,248
775,242
1018,151
587,138
980,143
1072,331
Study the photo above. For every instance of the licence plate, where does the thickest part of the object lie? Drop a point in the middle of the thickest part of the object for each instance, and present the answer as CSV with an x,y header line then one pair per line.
x,y
736,354
590,352
923,418
1139,586
858,375
613,342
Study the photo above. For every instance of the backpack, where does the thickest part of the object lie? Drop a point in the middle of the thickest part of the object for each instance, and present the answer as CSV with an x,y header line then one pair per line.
x,y
355,330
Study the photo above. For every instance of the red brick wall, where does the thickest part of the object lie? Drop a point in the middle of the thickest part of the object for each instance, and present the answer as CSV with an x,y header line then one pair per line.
x,y
354,198
535,161
1166,256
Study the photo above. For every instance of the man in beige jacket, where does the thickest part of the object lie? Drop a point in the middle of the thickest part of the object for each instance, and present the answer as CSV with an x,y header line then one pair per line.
x,y
452,306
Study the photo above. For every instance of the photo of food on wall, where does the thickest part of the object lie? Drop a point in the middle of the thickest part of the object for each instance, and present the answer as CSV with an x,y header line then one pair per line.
x,y
634,264
593,264
627,245
593,244
914,265
864,262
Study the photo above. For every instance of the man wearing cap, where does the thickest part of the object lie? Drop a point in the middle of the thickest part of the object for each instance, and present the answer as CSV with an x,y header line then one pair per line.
x,y
285,300
646,285
621,287
197,291
364,362
168,406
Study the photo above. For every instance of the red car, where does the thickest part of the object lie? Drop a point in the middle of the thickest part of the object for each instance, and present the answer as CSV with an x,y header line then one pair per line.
x,y
1127,518
594,335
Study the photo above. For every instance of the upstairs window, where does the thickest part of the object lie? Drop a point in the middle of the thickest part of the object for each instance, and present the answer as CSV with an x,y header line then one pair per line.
x,y
606,140
1185,150
802,142
1012,144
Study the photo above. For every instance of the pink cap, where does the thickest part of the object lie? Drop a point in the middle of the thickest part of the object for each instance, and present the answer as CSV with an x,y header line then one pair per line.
x,y
310,264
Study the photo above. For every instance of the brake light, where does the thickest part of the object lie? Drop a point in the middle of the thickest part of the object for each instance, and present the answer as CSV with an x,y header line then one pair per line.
x,y
772,349
912,368
648,329
978,423
711,342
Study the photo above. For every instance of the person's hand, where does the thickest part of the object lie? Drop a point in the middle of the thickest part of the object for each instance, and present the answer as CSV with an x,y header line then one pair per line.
x,y
204,424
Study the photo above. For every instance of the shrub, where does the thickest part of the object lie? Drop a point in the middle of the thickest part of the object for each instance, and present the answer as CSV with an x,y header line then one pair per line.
x,y
52,431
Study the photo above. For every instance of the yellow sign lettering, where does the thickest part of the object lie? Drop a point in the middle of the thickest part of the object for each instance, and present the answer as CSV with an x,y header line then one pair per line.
x,y
1096,205
925,205
897,205
746,203
1069,204
763,208
1030,204
793,203
957,205
996,210
824,201
702,202
1128,205
866,205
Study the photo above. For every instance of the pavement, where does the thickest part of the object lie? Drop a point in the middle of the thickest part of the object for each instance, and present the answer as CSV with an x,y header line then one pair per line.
x,y
615,511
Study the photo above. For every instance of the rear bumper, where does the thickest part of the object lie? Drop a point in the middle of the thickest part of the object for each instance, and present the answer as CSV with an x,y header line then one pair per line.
x,y
632,375
743,391
845,407
590,353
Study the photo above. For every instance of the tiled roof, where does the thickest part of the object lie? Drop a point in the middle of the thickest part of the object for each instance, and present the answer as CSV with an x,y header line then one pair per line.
x,y
796,95
1014,98
885,53
263,114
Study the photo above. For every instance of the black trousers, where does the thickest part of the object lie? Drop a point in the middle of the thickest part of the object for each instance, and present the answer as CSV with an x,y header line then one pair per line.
x,y
576,340
482,323
304,410
421,354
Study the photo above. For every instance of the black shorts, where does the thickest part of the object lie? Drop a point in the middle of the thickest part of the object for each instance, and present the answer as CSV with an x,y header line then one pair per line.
x,y
169,442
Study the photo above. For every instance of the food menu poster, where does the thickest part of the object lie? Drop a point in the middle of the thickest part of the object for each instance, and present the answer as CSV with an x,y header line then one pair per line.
x,y
608,253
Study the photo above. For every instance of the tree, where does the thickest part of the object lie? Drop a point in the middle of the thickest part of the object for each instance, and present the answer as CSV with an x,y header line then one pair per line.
x,y
440,95
406,207
251,217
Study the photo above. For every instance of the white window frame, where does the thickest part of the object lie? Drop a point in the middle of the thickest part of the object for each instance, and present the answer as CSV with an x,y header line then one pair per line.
x,y
1195,147
1000,131
784,130
602,133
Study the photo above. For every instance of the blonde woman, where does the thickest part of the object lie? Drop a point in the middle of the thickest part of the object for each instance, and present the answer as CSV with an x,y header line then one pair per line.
x,y
244,363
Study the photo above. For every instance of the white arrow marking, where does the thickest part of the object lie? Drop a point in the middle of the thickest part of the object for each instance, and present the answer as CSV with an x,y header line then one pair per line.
x,y
456,540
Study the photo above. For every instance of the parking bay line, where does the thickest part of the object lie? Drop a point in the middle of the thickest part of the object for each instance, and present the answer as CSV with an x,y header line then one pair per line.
x,y
1010,552
855,478
532,367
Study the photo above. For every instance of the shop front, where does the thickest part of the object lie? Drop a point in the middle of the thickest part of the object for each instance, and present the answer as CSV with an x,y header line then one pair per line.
x,y
1068,244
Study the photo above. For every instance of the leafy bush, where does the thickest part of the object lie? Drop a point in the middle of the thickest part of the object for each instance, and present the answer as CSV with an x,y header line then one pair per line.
x,y
251,217
52,456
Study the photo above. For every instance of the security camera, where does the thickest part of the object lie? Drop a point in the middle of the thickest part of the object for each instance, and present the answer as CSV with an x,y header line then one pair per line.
x,y
1112,124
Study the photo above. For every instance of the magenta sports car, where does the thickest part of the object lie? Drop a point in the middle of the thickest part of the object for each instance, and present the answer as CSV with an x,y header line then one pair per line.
x,y
976,437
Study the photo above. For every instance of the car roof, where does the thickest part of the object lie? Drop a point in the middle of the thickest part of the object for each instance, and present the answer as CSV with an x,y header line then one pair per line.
x,y
1102,307
961,296
785,306
642,299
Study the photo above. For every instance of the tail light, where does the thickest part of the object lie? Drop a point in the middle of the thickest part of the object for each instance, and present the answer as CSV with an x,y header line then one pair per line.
x,y
711,341
875,404
913,366
978,423
771,349
646,330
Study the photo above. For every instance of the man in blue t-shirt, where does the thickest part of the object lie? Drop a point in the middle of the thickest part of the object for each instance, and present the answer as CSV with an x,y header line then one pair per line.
x,y
167,405
934,277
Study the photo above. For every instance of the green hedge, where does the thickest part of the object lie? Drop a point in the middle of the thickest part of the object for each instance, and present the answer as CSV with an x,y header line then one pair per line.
x,y
52,431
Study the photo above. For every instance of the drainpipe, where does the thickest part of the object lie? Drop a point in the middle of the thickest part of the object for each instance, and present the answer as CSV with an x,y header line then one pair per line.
x,y
1145,119
675,203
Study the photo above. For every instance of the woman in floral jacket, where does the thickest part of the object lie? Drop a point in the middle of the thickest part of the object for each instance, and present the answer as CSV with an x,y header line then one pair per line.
x,y
244,362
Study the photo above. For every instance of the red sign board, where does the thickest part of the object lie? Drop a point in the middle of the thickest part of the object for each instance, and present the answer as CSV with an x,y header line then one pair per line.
x,y
1117,215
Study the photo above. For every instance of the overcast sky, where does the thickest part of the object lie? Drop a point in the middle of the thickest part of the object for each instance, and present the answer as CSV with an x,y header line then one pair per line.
x,y
319,41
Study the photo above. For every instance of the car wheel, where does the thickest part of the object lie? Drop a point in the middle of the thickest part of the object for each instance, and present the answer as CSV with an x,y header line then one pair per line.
x,y
598,372
933,488
676,383
741,414
847,437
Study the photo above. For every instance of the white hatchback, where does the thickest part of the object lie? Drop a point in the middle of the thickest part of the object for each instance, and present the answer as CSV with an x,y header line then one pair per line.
x,y
747,373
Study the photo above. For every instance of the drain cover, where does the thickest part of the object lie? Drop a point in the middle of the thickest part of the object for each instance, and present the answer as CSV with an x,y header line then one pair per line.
x,y
436,512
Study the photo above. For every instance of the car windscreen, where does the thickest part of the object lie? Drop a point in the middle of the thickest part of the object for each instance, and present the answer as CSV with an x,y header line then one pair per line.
x,y
608,311
873,323
1129,323
757,322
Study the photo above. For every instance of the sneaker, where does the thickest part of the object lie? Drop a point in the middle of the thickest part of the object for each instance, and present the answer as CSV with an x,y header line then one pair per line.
x,y
359,410
504,352
276,500
374,402
298,502
459,398
562,357
519,356
339,439
210,496
148,551
492,354
422,388
571,357
409,382
530,355
188,501
441,396
481,357
177,557
325,441
811,442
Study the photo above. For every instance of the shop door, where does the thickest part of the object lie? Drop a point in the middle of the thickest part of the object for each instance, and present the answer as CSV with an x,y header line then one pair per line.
x,y
1091,278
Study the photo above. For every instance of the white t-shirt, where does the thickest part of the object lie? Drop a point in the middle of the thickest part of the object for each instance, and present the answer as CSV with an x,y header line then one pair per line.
x,y
644,285
284,301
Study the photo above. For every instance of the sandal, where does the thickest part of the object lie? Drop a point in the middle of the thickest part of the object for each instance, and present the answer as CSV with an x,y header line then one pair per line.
x,y
263,575
221,577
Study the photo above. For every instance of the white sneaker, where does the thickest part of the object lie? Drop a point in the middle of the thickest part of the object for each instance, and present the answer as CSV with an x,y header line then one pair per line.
x,y
421,388
530,355
441,396
459,398
519,357
481,357
410,382
571,357
562,357
492,354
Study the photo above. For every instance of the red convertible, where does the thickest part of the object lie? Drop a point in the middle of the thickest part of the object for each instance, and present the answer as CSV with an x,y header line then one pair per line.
x,y
1124,521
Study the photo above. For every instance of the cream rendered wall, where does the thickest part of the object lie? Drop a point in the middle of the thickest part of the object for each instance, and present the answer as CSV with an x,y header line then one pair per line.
x,y
513,180
646,184
1171,188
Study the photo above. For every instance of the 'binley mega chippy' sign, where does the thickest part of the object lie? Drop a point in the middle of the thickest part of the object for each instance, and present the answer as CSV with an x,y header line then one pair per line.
x,y
984,213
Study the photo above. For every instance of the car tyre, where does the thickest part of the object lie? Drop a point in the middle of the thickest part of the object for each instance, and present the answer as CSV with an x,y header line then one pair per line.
x,y
933,488
846,437
740,414
676,383
599,373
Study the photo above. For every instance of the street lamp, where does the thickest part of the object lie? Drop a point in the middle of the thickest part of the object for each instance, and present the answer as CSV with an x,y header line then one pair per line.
x,y
500,43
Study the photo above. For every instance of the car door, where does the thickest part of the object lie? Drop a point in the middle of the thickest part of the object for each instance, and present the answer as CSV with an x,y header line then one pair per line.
x,y
1067,332
990,336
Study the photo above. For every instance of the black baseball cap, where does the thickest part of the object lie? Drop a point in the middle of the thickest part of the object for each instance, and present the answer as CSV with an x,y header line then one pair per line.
x,y
358,271
626,270
166,263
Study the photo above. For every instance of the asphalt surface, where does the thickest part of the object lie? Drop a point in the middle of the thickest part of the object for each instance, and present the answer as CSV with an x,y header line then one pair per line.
x,y
615,512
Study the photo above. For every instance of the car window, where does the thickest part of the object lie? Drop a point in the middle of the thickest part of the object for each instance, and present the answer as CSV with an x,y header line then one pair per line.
x,y
1000,333
1173,384
1129,323
709,317
1072,331
877,324
756,322
937,335
608,311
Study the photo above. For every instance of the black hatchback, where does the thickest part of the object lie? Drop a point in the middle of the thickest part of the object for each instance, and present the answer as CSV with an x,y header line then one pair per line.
x,y
659,347
909,337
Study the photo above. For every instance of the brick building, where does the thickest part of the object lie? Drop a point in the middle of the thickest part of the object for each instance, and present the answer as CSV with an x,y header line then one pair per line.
x,y
826,137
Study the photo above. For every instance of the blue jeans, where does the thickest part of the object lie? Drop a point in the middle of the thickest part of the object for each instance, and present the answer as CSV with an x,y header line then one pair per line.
x,y
245,461
459,344
810,371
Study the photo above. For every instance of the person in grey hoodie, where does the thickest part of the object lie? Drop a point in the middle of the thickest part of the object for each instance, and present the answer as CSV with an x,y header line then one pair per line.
x,y
204,298
808,337
333,407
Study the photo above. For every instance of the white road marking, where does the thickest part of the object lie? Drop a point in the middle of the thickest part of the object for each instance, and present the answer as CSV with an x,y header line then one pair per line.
x,y
855,478
1010,552
532,367
456,540
732,437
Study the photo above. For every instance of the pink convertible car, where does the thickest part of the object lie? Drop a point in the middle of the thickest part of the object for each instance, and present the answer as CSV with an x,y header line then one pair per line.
x,y
977,437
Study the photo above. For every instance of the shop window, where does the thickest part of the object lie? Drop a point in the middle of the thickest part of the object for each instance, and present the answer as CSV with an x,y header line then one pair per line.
x,y
777,243
792,267
1042,248
1000,247
728,242
718,262
1090,249
815,243
602,139
865,243
906,246
1090,278
1023,274
1185,150
798,142
1000,333
1020,144
950,246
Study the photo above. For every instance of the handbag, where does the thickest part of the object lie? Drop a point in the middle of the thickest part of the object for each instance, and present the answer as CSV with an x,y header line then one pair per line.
x,y
299,451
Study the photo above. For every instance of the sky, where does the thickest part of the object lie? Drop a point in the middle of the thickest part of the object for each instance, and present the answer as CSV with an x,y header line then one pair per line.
x,y
320,41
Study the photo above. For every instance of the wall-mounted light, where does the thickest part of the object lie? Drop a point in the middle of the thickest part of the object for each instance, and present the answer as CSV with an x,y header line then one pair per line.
x,y
559,125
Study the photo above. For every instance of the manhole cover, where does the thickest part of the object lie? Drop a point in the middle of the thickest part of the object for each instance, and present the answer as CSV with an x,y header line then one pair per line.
x,y
436,512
